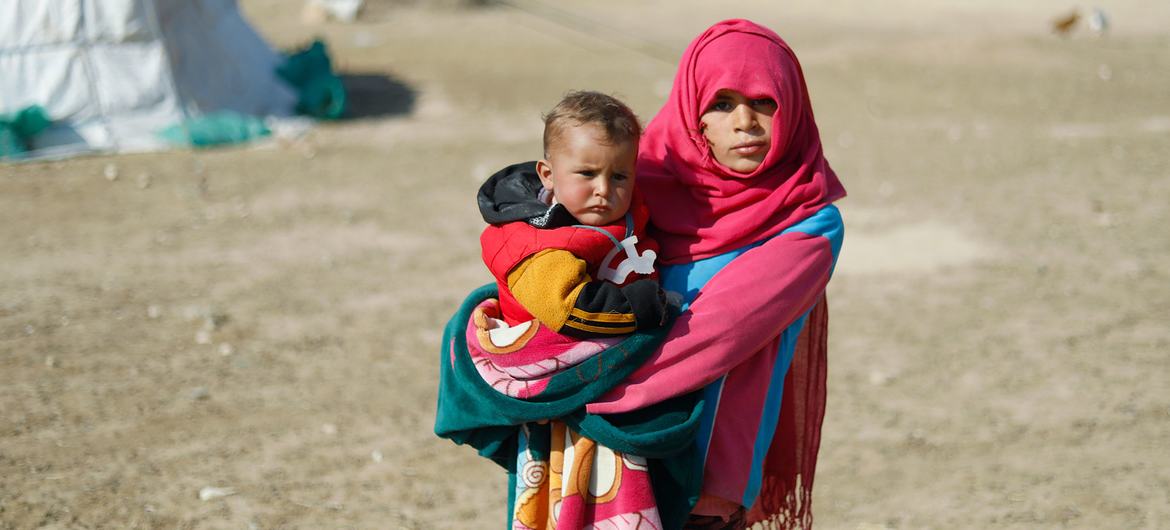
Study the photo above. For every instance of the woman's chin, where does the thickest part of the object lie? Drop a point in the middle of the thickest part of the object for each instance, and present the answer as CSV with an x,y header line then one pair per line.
x,y
743,165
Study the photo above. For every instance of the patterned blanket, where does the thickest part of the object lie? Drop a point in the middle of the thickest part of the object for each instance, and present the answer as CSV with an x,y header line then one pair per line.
x,y
499,386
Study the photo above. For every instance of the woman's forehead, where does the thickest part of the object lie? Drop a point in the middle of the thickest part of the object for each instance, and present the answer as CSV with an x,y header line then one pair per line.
x,y
772,76
731,93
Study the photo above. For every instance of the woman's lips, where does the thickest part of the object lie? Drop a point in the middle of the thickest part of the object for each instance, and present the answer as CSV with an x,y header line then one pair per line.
x,y
748,149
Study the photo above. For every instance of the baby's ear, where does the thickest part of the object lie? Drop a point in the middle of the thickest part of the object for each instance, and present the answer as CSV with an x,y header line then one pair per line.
x,y
544,171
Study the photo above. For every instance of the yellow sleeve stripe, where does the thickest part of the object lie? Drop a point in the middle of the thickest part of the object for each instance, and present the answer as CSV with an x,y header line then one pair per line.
x,y
620,318
624,330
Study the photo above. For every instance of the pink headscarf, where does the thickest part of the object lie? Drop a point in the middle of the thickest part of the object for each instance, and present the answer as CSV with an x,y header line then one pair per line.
x,y
700,208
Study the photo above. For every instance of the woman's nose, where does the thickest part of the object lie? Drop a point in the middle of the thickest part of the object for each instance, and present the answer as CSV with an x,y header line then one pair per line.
x,y
743,118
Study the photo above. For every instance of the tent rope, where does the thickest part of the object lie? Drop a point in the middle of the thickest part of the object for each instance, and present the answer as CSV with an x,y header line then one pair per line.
x,y
593,29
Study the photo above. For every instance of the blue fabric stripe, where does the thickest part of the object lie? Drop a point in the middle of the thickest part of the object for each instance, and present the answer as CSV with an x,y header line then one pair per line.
x,y
826,223
711,396
770,416
688,279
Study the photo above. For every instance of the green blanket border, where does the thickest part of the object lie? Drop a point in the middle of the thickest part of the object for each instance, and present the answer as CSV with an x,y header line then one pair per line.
x,y
471,412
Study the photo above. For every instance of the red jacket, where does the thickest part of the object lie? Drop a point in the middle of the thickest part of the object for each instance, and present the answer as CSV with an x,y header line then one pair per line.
x,y
607,295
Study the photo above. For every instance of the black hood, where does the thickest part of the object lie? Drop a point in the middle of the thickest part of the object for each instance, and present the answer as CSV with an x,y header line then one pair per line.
x,y
513,194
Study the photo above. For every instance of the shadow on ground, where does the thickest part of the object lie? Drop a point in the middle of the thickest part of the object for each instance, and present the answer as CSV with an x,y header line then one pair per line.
x,y
376,96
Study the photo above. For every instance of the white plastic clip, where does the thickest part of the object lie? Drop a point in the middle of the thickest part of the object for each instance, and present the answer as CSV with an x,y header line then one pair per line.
x,y
639,263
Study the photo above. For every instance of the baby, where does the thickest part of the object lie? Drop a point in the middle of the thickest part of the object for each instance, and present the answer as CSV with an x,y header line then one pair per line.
x,y
575,275
566,242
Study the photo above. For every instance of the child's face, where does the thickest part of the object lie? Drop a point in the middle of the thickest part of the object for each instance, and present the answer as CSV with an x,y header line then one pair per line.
x,y
591,176
738,130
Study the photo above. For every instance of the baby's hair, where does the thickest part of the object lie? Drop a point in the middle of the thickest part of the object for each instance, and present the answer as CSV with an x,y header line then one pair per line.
x,y
586,106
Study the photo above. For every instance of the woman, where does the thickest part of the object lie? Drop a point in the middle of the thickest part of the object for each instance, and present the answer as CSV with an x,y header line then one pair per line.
x,y
740,196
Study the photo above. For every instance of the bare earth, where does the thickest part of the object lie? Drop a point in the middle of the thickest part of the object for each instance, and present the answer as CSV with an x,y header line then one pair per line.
x,y
266,319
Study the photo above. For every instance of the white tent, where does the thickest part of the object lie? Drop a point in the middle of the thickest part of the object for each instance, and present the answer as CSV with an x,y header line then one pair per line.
x,y
112,73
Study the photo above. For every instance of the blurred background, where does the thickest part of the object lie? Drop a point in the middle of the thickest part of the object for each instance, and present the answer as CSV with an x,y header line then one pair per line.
x,y
246,336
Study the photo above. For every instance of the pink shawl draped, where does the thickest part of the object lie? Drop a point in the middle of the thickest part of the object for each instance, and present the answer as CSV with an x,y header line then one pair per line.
x,y
699,208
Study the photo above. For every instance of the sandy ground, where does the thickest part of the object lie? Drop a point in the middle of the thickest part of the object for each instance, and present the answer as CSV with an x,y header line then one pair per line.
x,y
266,319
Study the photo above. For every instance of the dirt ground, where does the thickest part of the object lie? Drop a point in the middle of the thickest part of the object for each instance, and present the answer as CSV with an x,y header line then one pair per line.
x,y
266,319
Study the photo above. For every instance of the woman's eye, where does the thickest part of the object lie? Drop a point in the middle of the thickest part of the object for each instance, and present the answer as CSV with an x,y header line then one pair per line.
x,y
721,106
764,103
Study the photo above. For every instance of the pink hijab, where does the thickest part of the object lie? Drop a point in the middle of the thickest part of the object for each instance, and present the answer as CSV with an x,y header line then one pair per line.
x,y
700,208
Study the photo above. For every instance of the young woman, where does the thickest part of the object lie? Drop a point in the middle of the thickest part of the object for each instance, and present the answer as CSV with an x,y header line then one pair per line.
x,y
740,199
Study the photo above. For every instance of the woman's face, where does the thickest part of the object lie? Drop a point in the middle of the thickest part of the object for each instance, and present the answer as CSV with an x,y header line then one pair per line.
x,y
738,129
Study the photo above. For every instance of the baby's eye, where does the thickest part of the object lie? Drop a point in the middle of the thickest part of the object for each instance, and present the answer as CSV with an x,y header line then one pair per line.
x,y
620,176
587,173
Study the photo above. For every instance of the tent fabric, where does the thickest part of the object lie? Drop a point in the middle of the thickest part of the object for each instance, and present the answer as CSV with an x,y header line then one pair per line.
x,y
112,73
